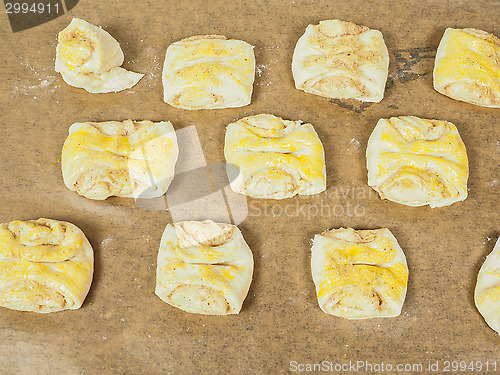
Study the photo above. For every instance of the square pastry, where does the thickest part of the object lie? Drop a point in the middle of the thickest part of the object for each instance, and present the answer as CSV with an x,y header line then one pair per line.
x,y
45,266
467,67
208,72
359,274
269,157
124,159
415,162
487,293
338,59
204,267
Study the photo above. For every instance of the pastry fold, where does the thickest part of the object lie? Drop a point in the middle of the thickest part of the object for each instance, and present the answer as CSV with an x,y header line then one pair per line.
x,y
338,59
208,72
89,57
45,266
487,292
124,159
204,267
275,158
467,67
359,273
415,162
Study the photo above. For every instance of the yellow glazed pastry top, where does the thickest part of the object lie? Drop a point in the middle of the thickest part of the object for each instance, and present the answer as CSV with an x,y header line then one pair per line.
x,y
126,159
269,157
204,267
338,59
487,292
45,265
415,162
359,274
208,72
467,67
89,57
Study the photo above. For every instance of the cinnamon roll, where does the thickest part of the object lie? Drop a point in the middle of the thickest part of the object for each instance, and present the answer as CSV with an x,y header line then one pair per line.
x,y
208,72
359,274
204,267
124,159
338,59
275,158
415,162
467,67
45,266
487,292
89,57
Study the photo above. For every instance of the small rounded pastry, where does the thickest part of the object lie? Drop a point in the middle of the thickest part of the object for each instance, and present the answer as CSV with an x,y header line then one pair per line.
x,y
338,59
467,67
359,274
124,159
415,162
275,158
487,293
89,57
204,267
45,266
208,72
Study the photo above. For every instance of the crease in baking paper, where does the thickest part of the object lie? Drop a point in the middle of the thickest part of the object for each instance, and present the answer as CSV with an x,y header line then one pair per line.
x,y
200,190
410,65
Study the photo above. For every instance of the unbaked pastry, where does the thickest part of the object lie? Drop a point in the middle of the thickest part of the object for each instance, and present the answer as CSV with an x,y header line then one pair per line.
x,y
45,266
275,158
208,72
204,267
415,162
467,67
338,59
359,273
487,293
89,57
124,159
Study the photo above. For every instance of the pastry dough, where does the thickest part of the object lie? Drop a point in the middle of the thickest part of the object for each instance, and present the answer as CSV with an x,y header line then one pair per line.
x,y
467,67
338,59
208,72
359,273
276,158
487,294
204,267
45,266
88,57
125,159
415,162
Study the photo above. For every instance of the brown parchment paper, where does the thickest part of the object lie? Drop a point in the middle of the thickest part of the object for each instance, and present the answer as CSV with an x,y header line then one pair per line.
x,y
122,326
